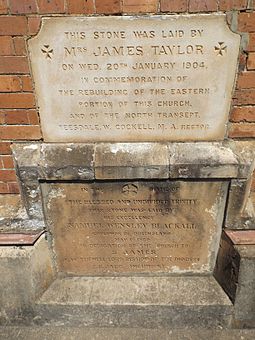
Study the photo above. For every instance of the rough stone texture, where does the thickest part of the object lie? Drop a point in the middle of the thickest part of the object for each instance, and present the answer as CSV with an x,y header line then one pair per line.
x,y
10,206
141,302
245,294
39,161
27,158
129,161
240,213
182,78
21,224
227,266
245,153
202,160
235,162
235,271
101,333
26,272
14,218
135,227
71,162
227,160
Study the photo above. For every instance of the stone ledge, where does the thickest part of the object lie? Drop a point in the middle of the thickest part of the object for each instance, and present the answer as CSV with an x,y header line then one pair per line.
x,y
136,291
228,160
202,160
67,162
70,161
129,161
135,301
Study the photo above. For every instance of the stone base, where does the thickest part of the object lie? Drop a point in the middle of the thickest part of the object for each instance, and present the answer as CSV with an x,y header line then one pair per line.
x,y
235,271
29,294
101,333
245,294
149,302
26,272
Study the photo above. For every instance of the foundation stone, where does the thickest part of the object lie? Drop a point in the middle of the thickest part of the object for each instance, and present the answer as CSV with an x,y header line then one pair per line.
x,y
121,79
135,227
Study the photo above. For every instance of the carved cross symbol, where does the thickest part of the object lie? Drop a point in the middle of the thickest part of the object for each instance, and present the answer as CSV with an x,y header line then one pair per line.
x,y
220,49
130,189
47,51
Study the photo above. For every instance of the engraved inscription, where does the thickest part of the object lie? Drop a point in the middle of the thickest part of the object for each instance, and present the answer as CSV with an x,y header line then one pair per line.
x,y
136,227
133,78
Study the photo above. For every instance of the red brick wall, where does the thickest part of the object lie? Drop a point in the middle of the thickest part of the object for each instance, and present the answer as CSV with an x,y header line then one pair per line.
x,y
20,19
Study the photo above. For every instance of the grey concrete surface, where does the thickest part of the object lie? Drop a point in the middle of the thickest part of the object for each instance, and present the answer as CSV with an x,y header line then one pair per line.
x,y
82,333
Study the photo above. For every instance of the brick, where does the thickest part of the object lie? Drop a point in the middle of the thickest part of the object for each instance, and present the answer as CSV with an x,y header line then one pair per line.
x,y
107,6
5,148
227,5
19,46
13,25
27,85
13,187
143,6
23,6
244,97
243,114
251,61
10,84
242,130
251,44
246,80
51,6
4,189
80,6
173,5
16,117
3,7
7,175
202,5
23,132
246,22
7,162
34,24
17,100
2,117
13,64
6,45
33,117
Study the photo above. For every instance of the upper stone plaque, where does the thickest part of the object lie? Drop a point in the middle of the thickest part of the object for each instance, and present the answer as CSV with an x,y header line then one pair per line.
x,y
160,78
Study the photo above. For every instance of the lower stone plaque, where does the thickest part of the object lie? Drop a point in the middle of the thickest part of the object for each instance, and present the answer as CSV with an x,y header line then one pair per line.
x,y
135,227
